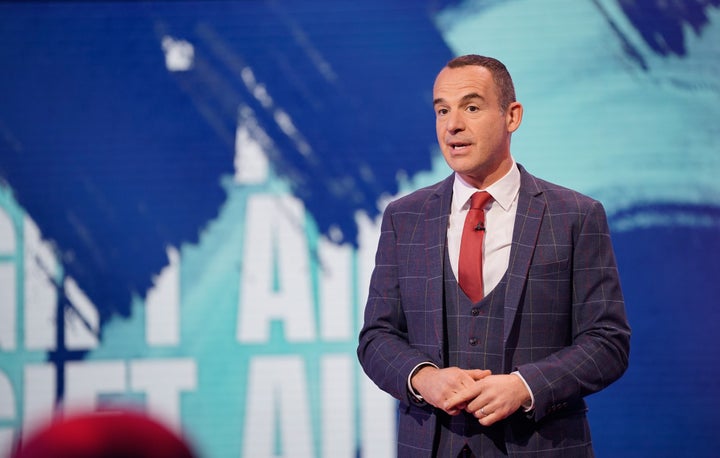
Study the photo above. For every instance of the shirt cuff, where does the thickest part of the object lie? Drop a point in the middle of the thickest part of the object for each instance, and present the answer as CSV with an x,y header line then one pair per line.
x,y
411,390
531,405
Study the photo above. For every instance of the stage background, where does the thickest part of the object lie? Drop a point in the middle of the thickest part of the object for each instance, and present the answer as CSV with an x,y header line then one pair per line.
x,y
190,196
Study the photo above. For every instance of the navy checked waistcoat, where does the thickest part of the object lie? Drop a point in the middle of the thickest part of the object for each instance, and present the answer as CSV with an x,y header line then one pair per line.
x,y
474,334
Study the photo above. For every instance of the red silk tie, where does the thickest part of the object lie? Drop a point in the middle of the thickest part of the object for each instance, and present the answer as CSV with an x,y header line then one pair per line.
x,y
471,247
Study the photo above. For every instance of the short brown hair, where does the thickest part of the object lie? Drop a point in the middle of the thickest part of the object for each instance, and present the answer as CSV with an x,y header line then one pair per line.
x,y
500,74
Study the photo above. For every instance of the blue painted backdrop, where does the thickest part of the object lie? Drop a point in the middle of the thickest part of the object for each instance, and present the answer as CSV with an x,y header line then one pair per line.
x,y
123,124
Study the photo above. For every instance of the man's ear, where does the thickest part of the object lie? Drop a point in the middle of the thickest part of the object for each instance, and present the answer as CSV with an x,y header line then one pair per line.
x,y
513,116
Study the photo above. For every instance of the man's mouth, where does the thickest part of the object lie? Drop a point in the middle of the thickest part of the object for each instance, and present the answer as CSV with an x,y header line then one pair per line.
x,y
458,145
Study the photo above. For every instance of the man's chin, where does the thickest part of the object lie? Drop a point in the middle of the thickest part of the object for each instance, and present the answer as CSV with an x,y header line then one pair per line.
x,y
460,163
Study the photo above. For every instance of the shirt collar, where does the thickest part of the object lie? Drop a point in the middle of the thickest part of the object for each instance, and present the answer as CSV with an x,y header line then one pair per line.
x,y
503,191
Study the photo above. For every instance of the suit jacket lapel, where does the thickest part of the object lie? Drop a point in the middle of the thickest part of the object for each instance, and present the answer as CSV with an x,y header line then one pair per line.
x,y
528,219
531,208
437,212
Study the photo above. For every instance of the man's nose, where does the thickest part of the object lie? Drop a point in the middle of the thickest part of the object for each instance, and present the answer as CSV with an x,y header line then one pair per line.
x,y
455,122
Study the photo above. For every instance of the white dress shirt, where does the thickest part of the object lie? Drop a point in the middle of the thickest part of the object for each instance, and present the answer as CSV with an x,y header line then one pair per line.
x,y
499,222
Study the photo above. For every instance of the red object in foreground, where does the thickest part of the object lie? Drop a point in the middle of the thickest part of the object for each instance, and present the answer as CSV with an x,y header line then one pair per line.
x,y
105,435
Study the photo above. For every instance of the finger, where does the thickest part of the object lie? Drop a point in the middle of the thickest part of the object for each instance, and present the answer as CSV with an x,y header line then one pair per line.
x,y
489,419
479,374
493,415
481,400
482,412
455,403
461,398
486,416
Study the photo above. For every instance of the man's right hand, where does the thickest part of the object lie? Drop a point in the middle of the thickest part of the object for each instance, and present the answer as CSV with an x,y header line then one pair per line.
x,y
436,386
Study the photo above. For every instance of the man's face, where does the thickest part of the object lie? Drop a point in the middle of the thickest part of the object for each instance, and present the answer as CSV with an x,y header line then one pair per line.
x,y
472,130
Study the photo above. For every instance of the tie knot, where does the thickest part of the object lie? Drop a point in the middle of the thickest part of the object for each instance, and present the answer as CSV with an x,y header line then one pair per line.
x,y
479,199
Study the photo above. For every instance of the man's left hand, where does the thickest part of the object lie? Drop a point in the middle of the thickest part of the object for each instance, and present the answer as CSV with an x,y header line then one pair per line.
x,y
494,397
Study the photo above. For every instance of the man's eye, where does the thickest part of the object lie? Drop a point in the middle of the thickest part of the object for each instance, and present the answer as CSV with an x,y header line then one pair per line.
x,y
472,108
442,111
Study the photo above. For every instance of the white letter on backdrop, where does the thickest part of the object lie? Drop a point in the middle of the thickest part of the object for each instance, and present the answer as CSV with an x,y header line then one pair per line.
x,y
277,415
275,274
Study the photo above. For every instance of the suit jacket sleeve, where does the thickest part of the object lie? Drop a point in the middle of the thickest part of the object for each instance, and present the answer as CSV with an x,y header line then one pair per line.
x,y
384,350
600,336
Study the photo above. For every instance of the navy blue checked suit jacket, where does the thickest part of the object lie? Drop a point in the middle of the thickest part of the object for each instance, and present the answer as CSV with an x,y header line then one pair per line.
x,y
565,327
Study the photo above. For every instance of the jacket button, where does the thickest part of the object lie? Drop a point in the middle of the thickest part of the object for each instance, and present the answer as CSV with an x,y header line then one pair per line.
x,y
473,341
475,312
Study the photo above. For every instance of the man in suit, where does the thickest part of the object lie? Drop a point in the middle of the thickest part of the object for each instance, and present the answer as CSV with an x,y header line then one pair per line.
x,y
496,363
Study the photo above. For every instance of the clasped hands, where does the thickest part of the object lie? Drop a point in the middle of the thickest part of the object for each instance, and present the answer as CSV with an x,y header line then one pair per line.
x,y
490,398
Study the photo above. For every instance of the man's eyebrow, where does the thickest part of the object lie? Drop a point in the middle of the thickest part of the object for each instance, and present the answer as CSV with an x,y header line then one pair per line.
x,y
466,98
472,95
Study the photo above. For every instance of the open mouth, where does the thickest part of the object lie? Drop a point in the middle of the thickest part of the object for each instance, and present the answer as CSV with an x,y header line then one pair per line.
x,y
457,146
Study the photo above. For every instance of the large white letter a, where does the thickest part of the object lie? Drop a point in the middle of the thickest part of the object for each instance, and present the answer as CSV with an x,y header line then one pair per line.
x,y
275,277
